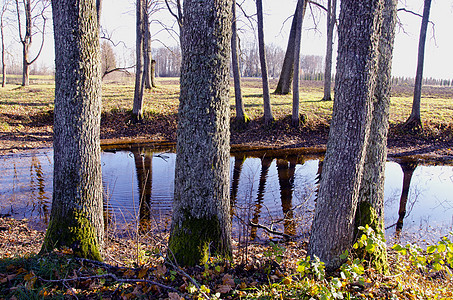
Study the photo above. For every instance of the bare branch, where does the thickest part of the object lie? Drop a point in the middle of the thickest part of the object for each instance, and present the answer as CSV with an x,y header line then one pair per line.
x,y
119,69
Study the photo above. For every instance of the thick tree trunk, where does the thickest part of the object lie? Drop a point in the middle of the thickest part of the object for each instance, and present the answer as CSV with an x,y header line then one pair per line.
x,y
137,109
286,75
295,119
333,229
331,19
76,220
201,225
241,117
268,117
414,121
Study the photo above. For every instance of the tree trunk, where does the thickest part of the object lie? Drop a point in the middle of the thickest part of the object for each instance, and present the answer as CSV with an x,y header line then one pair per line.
x,y
137,109
286,75
414,121
147,57
268,117
331,19
201,225
3,47
76,219
25,65
295,120
26,43
371,195
333,229
241,117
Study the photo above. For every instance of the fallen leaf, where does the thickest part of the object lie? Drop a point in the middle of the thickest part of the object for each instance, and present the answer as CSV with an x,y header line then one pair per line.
x,y
223,289
228,280
174,296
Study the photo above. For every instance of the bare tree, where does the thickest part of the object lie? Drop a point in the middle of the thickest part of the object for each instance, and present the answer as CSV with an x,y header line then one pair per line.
x,y
108,60
295,119
137,109
241,117
76,220
286,75
414,120
34,12
331,20
268,117
2,35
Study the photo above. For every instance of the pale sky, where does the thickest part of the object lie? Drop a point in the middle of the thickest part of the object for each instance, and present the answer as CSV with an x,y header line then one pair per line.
x,y
119,19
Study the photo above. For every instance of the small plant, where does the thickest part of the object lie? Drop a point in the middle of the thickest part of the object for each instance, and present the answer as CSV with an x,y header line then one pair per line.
x,y
436,258
275,252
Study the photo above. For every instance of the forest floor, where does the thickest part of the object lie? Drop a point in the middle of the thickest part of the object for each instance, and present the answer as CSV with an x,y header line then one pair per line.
x,y
133,266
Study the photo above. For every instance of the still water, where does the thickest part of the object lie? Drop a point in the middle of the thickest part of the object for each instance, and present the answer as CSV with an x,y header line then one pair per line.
x,y
276,190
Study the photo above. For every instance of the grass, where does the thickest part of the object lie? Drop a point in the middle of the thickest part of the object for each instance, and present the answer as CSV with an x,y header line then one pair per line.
x,y
436,108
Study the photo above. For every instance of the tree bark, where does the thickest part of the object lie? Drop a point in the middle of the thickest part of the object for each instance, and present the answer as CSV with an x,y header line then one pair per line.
x,y
147,57
295,119
286,75
331,19
76,219
414,121
371,195
333,229
241,117
268,117
4,9
137,109
201,225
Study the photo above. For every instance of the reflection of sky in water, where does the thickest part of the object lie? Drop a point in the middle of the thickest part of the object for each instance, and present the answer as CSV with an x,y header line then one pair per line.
x,y
26,191
429,209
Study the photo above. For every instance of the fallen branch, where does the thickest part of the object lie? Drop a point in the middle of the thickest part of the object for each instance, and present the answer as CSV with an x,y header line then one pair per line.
x,y
122,280
286,236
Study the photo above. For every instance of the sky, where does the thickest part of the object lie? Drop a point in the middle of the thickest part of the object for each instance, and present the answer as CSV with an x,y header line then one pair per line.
x,y
119,20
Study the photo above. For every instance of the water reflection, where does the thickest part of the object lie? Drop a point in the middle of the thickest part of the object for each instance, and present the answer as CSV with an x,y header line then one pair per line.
x,y
272,190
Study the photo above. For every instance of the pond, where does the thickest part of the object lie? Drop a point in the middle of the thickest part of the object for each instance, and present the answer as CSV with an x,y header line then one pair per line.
x,y
273,189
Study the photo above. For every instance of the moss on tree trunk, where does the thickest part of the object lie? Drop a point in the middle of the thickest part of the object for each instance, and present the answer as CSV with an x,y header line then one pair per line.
x,y
195,241
75,231
367,215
